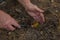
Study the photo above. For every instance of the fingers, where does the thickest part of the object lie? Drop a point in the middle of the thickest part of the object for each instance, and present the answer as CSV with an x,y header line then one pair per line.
x,y
15,23
39,12
31,13
42,19
38,9
9,27
37,16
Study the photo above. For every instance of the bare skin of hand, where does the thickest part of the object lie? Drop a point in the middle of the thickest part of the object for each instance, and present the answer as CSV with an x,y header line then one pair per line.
x,y
6,21
35,12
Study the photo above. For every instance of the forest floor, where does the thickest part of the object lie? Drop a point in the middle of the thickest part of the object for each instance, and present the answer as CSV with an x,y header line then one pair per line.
x,y
50,30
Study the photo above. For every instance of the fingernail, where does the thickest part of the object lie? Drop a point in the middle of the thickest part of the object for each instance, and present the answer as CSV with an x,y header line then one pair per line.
x,y
19,26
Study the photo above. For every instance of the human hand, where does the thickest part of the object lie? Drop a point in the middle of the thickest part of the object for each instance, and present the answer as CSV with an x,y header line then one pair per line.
x,y
35,12
6,21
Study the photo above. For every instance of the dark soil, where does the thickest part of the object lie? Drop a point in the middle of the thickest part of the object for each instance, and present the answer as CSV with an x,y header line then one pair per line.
x,y
50,30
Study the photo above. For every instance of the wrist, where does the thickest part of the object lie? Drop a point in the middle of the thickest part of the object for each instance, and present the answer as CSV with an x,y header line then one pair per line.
x,y
25,3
